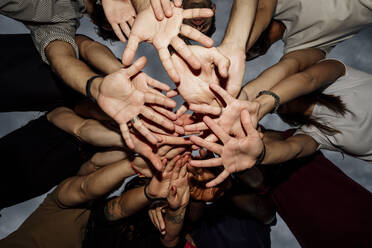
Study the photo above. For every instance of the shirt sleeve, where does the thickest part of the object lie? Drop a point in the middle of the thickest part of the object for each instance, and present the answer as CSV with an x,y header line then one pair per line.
x,y
321,138
43,34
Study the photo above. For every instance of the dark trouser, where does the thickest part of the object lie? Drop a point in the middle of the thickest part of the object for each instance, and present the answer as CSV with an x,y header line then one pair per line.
x,y
35,158
26,82
322,206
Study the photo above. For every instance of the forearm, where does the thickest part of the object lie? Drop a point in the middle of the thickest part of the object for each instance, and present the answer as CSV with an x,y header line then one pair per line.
x,y
288,65
73,72
97,55
264,15
284,150
173,224
88,130
241,21
307,81
80,189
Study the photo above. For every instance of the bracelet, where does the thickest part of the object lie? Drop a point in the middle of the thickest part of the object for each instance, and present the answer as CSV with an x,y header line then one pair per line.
x,y
89,85
270,93
135,170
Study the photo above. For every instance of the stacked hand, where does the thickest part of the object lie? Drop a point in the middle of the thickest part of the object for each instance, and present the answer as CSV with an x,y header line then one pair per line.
x,y
164,33
236,154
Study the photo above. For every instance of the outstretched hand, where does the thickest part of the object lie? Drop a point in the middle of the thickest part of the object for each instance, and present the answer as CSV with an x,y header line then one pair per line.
x,y
236,154
164,33
121,100
120,14
194,84
229,116
163,8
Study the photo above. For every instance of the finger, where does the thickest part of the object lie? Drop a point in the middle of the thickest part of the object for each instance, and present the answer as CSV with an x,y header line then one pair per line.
x,y
196,127
158,10
212,162
171,164
138,125
177,3
153,219
154,128
213,147
169,114
185,52
155,160
157,84
222,63
219,179
172,140
223,93
211,138
247,123
183,172
160,219
126,135
205,109
125,28
157,118
181,110
176,170
165,59
178,129
196,35
217,130
160,100
118,32
131,21
167,7
172,93
130,50
136,67
174,152
163,150
197,13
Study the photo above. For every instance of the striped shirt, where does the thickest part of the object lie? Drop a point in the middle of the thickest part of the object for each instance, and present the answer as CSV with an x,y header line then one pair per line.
x,y
48,20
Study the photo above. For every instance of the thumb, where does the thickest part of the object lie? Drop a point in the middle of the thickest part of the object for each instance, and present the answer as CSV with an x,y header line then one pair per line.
x,y
137,66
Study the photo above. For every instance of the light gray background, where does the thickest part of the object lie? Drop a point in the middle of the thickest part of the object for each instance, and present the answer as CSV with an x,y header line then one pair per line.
x,y
356,52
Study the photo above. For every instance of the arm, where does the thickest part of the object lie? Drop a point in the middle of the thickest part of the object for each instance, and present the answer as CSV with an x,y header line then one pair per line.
x,y
235,40
80,189
297,146
88,130
97,55
311,79
264,15
288,65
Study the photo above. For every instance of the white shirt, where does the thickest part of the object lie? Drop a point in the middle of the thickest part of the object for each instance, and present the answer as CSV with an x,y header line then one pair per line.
x,y
321,23
355,137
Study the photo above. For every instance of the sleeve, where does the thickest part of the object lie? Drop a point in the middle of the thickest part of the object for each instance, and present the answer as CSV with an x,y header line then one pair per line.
x,y
43,34
321,138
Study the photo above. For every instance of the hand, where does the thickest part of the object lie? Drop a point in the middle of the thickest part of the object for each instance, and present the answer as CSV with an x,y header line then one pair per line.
x,y
160,184
229,119
236,154
119,98
236,69
164,33
197,179
164,7
179,193
194,85
120,14
157,219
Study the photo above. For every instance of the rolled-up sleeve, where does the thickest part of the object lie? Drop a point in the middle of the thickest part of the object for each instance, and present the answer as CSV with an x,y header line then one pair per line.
x,y
43,34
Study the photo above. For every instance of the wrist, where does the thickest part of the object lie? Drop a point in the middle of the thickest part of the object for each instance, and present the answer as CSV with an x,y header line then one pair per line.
x,y
93,86
266,105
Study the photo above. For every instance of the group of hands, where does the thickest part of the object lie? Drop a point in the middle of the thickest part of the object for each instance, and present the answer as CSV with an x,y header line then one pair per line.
x,y
135,101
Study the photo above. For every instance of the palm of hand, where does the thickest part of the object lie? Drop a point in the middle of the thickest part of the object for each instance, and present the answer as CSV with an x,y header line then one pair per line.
x,y
194,85
240,154
119,11
162,183
119,98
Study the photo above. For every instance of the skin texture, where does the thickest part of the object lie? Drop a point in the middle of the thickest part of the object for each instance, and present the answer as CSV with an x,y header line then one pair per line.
x,y
164,33
163,8
120,14
201,24
236,154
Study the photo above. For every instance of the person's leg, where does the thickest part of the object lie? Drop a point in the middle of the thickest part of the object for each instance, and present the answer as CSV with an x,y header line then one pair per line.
x,y
35,158
323,207
26,82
